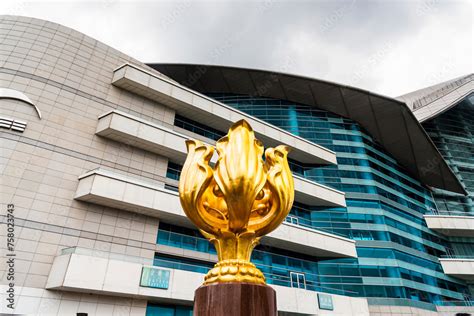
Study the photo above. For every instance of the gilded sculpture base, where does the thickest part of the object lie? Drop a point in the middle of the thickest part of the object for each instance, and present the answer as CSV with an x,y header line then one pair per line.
x,y
235,299
234,270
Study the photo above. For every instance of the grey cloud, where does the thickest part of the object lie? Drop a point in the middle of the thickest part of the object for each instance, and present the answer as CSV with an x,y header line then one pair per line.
x,y
342,41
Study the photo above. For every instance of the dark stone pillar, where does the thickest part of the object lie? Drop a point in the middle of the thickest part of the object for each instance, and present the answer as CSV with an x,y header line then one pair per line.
x,y
235,299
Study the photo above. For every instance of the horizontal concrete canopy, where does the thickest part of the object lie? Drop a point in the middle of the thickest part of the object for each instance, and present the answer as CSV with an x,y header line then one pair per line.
x,y
91,271
449,225
137,132
389,121
462,268
121,192
205,110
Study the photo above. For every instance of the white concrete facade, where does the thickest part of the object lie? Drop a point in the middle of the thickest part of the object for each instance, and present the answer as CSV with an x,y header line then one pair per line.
x,y
94,274
66,75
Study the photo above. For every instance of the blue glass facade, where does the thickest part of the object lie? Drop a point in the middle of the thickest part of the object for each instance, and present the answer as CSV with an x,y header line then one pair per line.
x,y
281,267
384,213
453,134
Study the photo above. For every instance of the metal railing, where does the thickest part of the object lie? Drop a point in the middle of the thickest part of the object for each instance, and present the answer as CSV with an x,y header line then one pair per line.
x,y
449,213
456,256
304,222
455,303
417,304
276,279
189,242
283,280
106,255
391,301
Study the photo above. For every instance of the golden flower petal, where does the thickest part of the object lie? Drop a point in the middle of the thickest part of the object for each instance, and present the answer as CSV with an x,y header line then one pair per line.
x,y
196,177
281,186
239,172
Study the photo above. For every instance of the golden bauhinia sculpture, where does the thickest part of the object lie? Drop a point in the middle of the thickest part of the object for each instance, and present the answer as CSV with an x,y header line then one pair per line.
x,y
240,199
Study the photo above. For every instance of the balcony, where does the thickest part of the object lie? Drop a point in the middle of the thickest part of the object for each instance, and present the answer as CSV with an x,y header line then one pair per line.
x,y
118,191
139,133
455,307
461,267
91,271
455,224
313,193
136,132
113,190
208,111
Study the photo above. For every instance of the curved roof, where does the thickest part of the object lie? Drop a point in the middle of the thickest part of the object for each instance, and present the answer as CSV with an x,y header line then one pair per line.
x,y
389,121
430,102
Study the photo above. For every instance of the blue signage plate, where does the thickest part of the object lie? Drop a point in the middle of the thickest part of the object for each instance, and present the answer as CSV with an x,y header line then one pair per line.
x,y
325,302
155,278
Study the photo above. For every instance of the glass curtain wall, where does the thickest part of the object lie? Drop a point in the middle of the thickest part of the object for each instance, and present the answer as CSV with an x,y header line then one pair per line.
x,y
453,134
385,206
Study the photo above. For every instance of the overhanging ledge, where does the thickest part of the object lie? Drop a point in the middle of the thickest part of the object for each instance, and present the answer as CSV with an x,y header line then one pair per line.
x,y
131,130
114,190
205,110
389,121
451,225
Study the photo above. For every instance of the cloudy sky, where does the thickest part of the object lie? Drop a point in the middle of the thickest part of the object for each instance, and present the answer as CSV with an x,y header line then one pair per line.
x,y
389,47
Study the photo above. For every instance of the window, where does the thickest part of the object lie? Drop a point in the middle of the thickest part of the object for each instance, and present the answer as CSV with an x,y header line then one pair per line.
x,y
173,170
298,280
154,309
292,219
196,127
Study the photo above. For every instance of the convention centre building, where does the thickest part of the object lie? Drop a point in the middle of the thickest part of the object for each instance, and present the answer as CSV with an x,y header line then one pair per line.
x,y
92,143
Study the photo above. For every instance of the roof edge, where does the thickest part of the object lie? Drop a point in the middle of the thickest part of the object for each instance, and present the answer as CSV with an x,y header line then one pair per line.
x,y
394,99
454,186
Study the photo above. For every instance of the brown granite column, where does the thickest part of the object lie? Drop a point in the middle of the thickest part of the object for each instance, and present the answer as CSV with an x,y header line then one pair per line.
x,y
235,299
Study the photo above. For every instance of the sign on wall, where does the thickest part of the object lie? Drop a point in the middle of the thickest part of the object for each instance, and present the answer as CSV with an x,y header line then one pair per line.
x,y
155,278
325,302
